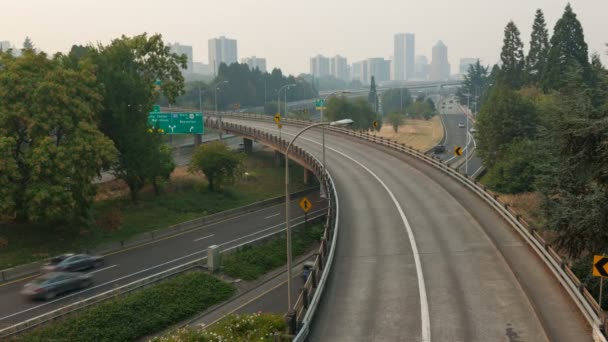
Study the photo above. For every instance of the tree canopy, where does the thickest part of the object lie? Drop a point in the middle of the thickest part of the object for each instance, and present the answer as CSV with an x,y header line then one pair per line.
x,y
359,110
218,163
512,57
536,61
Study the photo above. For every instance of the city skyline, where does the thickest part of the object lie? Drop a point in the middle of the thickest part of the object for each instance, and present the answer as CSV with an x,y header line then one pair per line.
x,y
255,27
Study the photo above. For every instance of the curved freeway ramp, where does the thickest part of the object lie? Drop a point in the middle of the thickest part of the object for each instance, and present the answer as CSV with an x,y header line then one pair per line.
x,y
422,258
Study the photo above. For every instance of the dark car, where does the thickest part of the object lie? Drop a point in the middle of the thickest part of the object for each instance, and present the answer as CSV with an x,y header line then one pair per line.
x,y
72,263
306,269
438,149
50,285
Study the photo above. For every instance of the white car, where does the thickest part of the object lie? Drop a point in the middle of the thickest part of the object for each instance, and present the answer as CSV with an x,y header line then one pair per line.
x,y
473,130
461,125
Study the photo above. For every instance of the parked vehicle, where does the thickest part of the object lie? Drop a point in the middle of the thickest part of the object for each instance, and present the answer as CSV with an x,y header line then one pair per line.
x,y
306,269
50,285
73,262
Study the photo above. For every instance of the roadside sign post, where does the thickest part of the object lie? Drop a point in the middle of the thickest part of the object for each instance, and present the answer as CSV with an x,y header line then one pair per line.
x,y
306,206
277,120
457,151
600,269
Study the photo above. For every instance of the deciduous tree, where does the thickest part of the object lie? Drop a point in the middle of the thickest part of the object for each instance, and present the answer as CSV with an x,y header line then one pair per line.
x,y
218,163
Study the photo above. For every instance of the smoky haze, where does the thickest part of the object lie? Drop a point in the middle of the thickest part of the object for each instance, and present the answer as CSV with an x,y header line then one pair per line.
x,y
288,33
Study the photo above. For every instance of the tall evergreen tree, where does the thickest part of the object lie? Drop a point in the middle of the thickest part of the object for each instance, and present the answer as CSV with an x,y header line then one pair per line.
x,y
512,57
568,49
536,61
28,44
372,98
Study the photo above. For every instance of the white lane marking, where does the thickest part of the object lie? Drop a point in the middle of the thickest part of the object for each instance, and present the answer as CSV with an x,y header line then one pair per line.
x,y
271,216
102,269
476,172
203,238
138,272
424,305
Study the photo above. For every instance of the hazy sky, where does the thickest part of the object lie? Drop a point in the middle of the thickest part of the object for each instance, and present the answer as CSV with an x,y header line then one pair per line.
x,y
288,32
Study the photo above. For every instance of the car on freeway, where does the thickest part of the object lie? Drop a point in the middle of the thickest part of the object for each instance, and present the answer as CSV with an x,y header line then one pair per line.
x,y
72,263
461,124
438,149
306,269
51,285
473,130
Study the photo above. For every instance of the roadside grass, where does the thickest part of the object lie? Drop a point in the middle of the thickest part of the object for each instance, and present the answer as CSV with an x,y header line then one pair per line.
x,y
253,261
140,313
417,133
115,218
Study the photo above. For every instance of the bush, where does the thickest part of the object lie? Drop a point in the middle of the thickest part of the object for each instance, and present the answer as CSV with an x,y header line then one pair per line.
x,y
234,328
253,261
141,313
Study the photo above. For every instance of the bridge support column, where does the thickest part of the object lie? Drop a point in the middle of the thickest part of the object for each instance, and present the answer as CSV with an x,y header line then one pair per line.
x,y
307,176
198,139
248,145
279,158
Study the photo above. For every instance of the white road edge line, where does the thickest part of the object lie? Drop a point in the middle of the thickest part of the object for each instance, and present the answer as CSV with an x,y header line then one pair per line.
x,y
271,216
102,269
138,272
203,238
424,305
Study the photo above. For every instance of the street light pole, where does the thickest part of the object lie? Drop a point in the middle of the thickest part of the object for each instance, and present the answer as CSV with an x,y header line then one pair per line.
x,y
287,200
279,96
466,151
217,87
322,118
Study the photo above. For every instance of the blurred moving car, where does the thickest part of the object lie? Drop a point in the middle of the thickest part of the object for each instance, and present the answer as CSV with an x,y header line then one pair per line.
x,y
306,269
438,149
473,130
50,285
73,262
461,124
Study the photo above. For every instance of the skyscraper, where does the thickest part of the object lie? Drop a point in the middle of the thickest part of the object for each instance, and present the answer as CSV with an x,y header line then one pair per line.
x,y
222,50
319,66
380,68
404,56
360,72
184,50
255,62
422,68
338,67
440,67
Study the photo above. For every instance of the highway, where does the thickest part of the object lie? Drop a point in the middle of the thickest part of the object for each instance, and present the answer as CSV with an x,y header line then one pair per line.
x,y
421,258
137,262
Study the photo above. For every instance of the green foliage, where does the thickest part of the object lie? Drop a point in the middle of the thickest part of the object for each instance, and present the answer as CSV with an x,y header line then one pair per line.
x,y
139,314
505,117
372,97
568,50
254,261
516,170
421,109
219,164
396,120
476,83
51,149
160,165
396,100
536,61
28,44
359,110
271,108
234,328
512,57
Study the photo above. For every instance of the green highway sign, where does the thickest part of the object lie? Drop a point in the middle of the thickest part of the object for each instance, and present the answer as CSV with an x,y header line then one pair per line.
x,y
320,104
156,109
177,123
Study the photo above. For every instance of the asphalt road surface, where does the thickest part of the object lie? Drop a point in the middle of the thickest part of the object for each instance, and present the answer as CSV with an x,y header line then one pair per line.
x,y
421,258
134,263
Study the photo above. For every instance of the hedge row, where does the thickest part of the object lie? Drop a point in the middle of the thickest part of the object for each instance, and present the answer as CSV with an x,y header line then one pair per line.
x,y
140,313
254,261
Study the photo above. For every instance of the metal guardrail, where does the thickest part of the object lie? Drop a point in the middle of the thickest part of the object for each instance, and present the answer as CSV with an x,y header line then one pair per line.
x,y
310,294
558,266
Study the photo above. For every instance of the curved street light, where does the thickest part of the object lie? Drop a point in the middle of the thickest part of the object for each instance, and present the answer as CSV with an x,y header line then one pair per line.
x,y
279,96
342,122
341,92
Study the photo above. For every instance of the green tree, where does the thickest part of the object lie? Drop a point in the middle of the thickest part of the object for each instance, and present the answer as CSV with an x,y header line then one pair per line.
x,y
372,97
516,170
396,120
50,147
28,44
475,83
396,100
160,165
536,61
358,110
421,108
505,117
128,68
218,163
512,57
568,49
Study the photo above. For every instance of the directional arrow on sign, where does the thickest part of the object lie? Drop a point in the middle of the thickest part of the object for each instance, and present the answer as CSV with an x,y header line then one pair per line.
x,y
457,151
599,266
305,204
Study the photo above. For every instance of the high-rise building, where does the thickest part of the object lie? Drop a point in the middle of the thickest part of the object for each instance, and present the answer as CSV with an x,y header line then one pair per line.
x,y
380,68
360,72
421,71
184,50
222,50
404,56
5,45
338,67
465,63
319,66
201,68
440,67
255,62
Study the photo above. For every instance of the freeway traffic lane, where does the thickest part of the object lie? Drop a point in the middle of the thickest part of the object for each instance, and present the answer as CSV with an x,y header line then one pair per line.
x,y
482,281
128,265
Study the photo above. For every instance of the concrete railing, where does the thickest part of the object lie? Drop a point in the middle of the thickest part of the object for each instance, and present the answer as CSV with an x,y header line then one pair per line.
x,y
577,291
34,267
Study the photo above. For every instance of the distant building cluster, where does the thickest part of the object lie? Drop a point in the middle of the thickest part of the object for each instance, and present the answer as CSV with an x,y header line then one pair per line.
x,y
403,65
